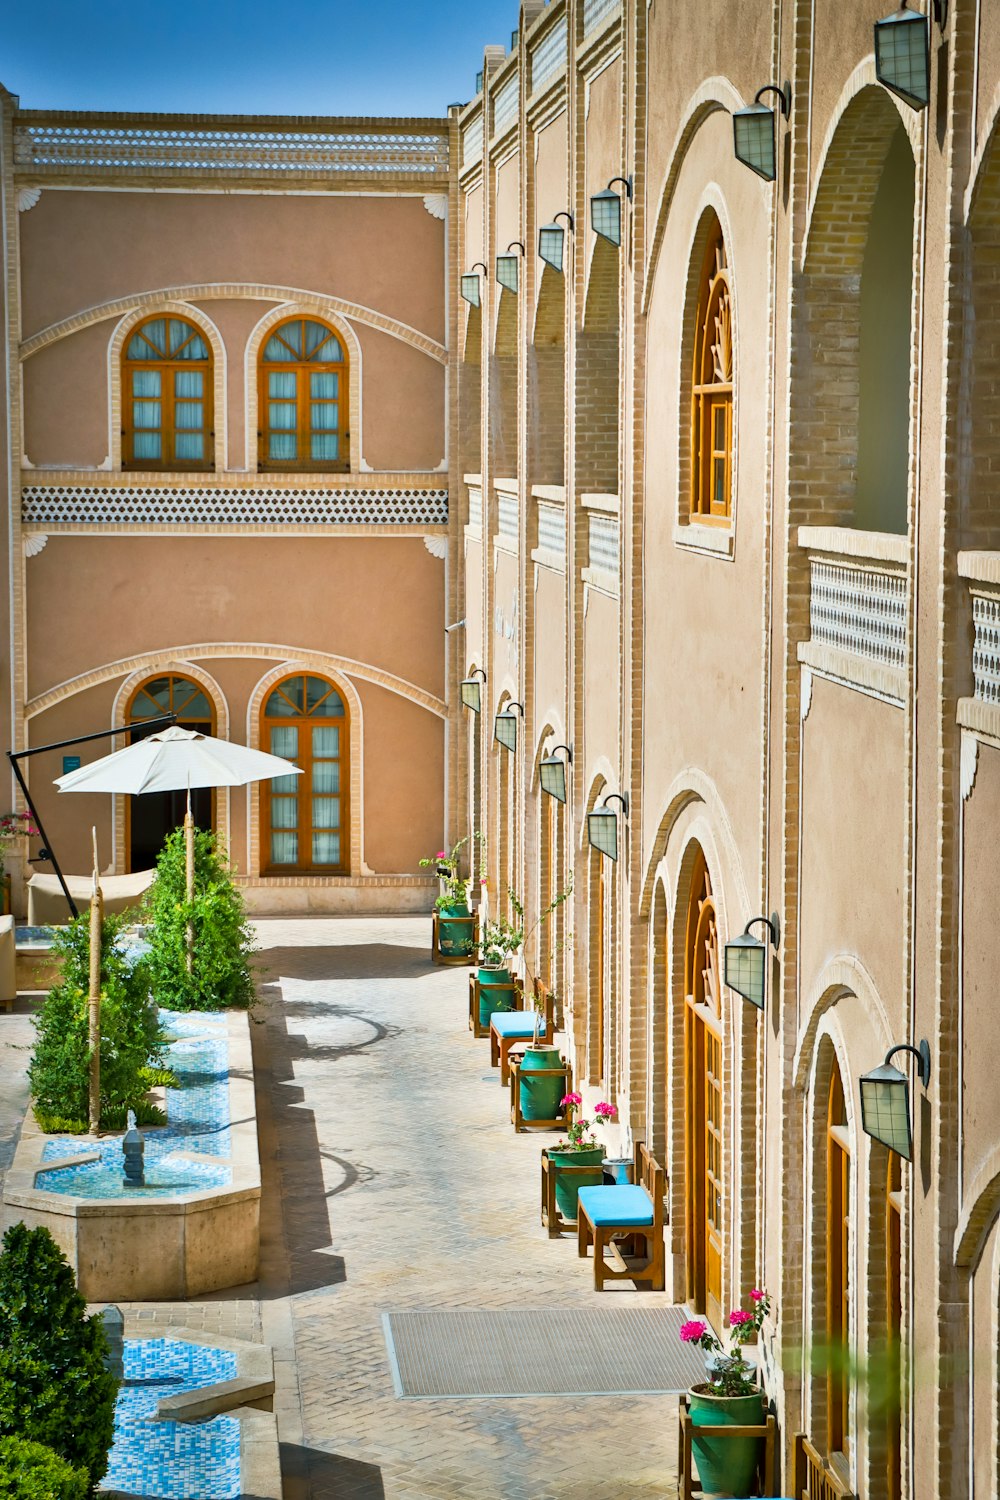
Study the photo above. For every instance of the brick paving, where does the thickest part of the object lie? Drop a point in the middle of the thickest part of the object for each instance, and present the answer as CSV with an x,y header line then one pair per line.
x,y
393,1179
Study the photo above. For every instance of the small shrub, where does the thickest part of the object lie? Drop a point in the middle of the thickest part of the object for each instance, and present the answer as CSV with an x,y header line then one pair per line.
x,y
220,974
130,1032
54,1388
30,1471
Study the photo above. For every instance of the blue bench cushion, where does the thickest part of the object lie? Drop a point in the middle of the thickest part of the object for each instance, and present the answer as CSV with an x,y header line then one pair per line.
x,y
513,1022
617,1205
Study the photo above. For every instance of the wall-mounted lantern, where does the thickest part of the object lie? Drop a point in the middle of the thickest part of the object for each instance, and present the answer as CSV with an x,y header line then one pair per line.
x,y
744,960
552,240
754,128
552,772
505,726
885,1100
606,210
471,692
470,284
507,266
602,825
903,55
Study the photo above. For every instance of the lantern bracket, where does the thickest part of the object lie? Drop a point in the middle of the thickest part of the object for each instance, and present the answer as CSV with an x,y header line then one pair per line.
x,y
773,925
921,1053
515,245
626,183
784,96
555,751
621,797
564,213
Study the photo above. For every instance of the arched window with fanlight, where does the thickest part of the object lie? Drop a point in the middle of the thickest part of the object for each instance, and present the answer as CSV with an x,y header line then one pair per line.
x,y
167,417
302,394
153,815
304,819
712,389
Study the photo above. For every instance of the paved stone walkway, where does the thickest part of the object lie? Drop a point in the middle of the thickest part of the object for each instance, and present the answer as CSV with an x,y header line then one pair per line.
x,y
393,1179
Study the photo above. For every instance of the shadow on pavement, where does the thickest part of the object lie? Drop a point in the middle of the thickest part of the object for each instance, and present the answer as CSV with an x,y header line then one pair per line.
x,y
362,961
310,1474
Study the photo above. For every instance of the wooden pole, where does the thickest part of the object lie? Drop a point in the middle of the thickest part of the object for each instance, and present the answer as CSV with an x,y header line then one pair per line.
x,y
189,875
94,1000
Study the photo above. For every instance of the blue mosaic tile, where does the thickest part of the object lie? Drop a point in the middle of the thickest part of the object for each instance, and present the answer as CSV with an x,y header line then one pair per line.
x,y
173,1460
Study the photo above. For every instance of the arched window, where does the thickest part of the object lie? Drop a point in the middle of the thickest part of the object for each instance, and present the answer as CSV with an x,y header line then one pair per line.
x,y
302,394
304,818
712,389
703,1102
167,397
838,1287
155,814
893,1322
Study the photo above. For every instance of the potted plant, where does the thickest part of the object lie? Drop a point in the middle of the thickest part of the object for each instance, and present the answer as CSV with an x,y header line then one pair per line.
x,y
730,1397
14,826
452,905
580,1149
499,944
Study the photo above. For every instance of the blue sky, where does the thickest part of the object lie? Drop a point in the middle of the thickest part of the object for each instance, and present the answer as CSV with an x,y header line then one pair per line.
x,y
301,57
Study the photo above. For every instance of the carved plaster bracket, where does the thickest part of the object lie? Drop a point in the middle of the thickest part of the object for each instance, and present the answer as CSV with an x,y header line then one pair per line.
x,y
436,205
968,763
806,693
437,546
27,197
34,542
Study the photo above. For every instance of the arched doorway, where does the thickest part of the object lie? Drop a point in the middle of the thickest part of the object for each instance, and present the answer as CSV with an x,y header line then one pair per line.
x,y
304,819
838,1261
155,814
703,1098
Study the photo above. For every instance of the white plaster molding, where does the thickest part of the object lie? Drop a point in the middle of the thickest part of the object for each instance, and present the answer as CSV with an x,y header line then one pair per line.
x,y
34,542
437,546
969,763
27,197
806,693
436,205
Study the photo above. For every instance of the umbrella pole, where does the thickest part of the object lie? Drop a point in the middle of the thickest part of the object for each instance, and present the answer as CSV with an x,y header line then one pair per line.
x,y
94,1002
189,875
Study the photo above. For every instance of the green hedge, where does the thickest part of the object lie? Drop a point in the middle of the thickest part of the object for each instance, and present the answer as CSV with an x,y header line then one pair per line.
x,y
54,1388
30,1471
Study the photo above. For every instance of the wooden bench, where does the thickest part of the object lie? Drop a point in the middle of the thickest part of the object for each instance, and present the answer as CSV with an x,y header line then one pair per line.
x,y
456,958
512,1030
552,1218
633,1215
687,1486
562,1120
475,991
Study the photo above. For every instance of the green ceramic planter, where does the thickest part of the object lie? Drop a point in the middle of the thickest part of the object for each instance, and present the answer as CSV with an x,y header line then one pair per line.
x,y
496,992
726,1465
454,938
540,1096
568,1187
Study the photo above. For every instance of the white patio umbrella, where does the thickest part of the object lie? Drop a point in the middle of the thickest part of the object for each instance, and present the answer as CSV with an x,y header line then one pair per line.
x,y
173,760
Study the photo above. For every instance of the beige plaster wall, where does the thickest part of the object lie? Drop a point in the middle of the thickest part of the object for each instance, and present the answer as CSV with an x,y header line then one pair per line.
x,y
843,38
66,401
80,248
988,69
853,830
506,625
507,210
473,210
93,600
981,963
550,184
601,671
550,647
472,636
603,134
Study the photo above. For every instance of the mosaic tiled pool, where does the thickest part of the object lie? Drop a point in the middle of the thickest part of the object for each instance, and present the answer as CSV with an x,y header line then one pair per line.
x,y
173,1460
198,1122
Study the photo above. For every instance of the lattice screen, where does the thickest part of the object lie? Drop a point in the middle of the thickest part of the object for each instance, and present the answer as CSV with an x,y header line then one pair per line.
x,y
123,504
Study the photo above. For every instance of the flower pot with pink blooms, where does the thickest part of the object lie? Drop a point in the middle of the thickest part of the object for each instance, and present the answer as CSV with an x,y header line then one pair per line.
x,y
452,905
730,1397
580,1149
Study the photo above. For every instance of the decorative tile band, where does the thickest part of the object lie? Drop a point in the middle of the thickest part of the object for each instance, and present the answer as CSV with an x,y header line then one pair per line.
x,y
549,57
604,542
859,610
94,147
552,527
595,11
124,505
986,647
505,105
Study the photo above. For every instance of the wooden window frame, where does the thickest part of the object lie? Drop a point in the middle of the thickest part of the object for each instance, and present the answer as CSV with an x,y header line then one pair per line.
x,y
304,758
703,1044
838,1283
167,368
302,369
710,389
893,1322
178,709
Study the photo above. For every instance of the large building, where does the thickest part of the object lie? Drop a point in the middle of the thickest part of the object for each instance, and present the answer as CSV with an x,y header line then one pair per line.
x,y
716,492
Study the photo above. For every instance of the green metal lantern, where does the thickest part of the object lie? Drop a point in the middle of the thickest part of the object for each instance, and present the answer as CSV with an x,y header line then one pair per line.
x,y
903,55
552,773
606,211
744,961
602,825
754,132
885,1100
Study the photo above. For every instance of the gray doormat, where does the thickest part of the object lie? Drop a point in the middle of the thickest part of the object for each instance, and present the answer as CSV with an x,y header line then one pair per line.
x,y
441,1353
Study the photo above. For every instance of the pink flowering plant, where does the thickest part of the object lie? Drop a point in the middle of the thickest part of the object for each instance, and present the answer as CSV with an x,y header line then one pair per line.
x,y
445,866
13,825
729,1373
578,1138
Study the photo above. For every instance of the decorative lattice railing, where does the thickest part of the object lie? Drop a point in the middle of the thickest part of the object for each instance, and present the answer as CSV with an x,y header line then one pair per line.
x,y
194,505
594,12
472,142
505,105
507,516
603,542
986,646
549,57
475,507
552,527
860,609
44,145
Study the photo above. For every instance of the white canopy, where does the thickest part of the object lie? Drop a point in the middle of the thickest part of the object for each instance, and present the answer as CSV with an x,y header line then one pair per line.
x,y
173,760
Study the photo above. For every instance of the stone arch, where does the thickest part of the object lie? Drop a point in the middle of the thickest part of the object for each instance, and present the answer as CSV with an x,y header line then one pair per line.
x,y
220,703
693,790
979,1212
598,378
546,377
842,976
352,698
170,307
346,333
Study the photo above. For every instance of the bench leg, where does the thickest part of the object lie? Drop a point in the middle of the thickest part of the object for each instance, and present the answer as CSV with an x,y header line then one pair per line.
x,y
494,1049
582,1233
